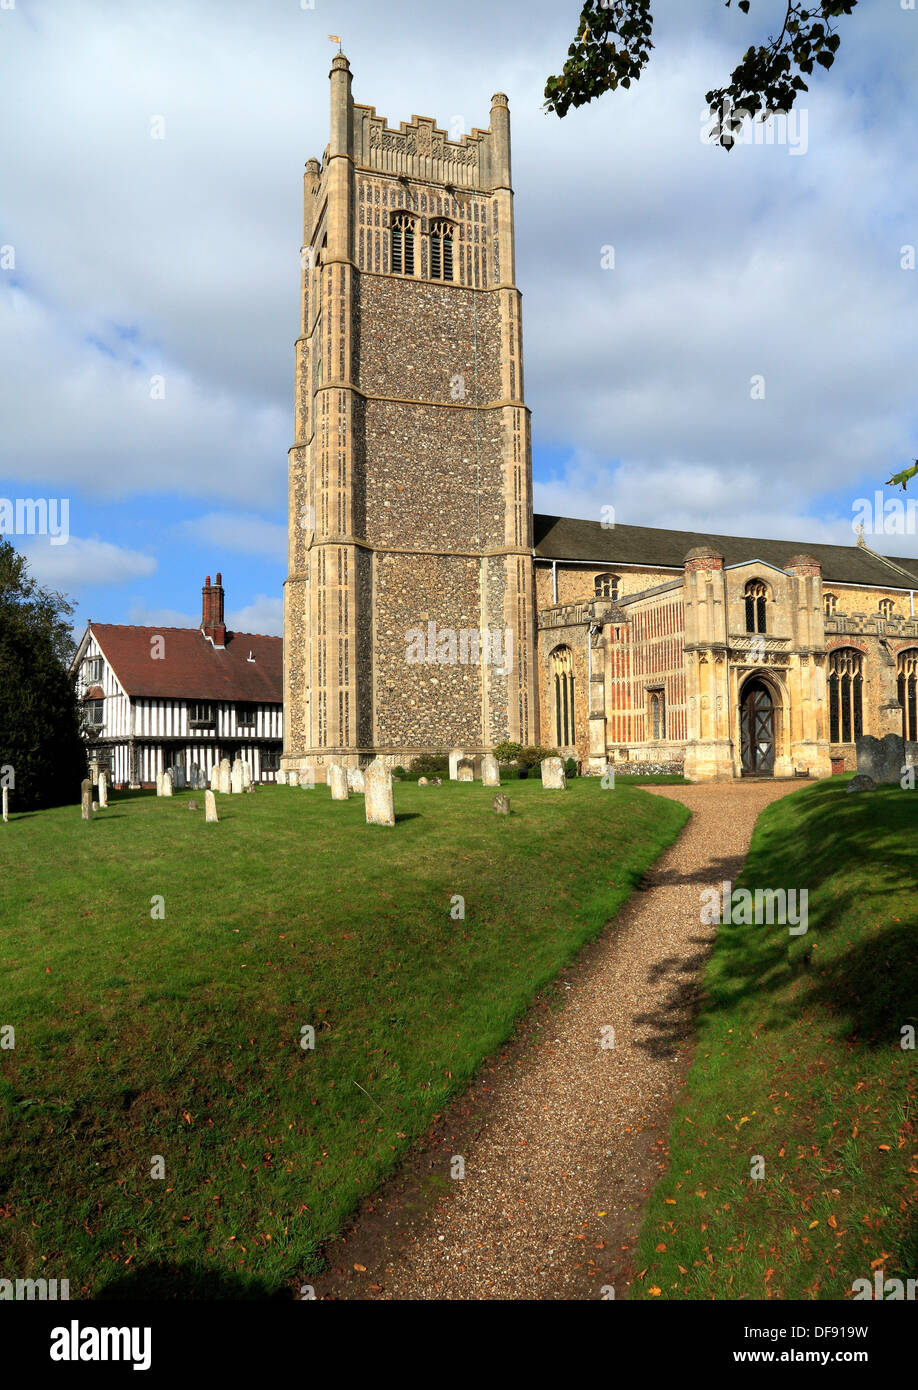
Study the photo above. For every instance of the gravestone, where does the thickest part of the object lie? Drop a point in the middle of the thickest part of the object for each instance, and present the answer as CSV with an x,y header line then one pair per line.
x,y
553,774
355,779
280,777
455,758
422,782
236,778
178,776
881,758
86,799
6,803
490,771
223,781
861,783
246,776
192,805
159,784
465,770
167,784
501,805
337,781
103,788
95,807
210,806
196,779
378,792
436,781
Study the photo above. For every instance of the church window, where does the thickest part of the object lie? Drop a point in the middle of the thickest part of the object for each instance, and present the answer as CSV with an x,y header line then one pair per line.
x,y
657,714
886,607
846,681
403,238
756,595
562,666
441,251
908,680
606,586
829,605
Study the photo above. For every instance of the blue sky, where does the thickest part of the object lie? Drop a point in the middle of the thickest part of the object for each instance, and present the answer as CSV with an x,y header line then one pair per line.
x,y
177,258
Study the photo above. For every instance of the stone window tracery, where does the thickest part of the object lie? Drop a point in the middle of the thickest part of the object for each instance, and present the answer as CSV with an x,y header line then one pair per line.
x,y
846,698
606,586
562,667
756,595
908,682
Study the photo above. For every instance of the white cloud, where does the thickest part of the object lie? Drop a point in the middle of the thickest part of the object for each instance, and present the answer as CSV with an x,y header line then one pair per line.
x,y
264,615
247,534
85,563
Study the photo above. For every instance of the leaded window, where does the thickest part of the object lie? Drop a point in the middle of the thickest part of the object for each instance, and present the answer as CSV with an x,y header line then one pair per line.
x,y
606,586
562,666
846,699
657,714
756,595
908,678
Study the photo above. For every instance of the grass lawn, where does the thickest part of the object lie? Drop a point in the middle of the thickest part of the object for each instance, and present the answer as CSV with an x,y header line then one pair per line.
x,y
139,1034
799,1061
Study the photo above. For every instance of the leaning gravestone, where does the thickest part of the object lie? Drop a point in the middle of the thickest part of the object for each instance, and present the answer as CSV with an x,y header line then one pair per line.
x,y
86,799
103,788
501,805
881,758
465,770
236,778
553,774
490,771
378,792
455,758
355,779
337,781
223,782
167,784
210,806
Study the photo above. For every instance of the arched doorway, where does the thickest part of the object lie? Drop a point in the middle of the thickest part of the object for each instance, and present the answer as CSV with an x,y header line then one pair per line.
x,y
757,729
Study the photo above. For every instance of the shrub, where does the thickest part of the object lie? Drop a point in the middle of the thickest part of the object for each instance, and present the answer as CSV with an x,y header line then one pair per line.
x,y
570,767
507,752
399,773
428,765
531,757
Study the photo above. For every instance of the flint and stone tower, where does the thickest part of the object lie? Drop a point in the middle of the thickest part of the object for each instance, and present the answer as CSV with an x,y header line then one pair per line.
x,y
410,477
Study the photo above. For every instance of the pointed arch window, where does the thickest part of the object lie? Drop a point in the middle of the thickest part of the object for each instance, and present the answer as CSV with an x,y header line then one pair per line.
x,y
908,682
829,605
606,586
756,595
846,697
441,251
886,607
403,234
657,701
562,667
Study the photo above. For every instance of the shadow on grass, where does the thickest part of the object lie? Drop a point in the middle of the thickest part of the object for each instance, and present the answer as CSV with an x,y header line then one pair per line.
x,y
178,1281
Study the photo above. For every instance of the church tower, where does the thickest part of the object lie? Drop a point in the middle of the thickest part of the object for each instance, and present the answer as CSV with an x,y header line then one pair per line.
x,y
409,617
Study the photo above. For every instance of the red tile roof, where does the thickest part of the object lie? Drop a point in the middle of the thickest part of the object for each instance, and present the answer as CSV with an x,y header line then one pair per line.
x,y
190,667
95,692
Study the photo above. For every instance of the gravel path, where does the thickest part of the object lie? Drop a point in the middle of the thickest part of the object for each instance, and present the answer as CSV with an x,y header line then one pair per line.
x,y
562,1139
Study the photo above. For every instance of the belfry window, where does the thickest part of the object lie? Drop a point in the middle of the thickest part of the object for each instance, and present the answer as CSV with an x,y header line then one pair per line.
x,y
756,595
402,233
846,699
441,251
886,607
606,586
829,605
562,667
908,680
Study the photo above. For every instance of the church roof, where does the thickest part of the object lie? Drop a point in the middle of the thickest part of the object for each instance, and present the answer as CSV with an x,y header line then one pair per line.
x,y
568,538
191,668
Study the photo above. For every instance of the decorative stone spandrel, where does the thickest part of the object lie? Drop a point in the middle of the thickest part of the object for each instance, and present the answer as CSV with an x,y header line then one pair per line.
x,y
553,774
380,805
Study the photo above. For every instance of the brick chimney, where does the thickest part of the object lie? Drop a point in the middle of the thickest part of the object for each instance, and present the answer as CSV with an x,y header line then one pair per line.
x,y
212,624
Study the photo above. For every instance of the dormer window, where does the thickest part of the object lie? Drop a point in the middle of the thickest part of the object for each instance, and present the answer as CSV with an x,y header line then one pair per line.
x,y
606,586
441,251
92,670
403,234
